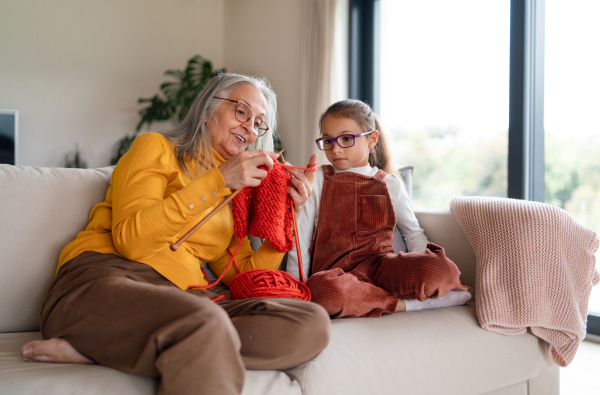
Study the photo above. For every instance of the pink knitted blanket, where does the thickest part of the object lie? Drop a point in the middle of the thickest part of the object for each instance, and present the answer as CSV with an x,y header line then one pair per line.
x,y
535,269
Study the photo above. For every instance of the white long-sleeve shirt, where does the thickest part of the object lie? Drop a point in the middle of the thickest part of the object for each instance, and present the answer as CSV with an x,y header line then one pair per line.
x,y
407,222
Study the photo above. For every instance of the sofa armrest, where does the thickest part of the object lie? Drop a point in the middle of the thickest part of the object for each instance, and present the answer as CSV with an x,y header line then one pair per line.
x,y
442,229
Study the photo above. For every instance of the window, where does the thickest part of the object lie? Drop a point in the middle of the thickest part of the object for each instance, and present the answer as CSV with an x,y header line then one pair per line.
x,y
444,97
491,98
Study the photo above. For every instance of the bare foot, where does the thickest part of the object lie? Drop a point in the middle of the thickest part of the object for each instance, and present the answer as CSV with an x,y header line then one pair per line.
x,y
52,350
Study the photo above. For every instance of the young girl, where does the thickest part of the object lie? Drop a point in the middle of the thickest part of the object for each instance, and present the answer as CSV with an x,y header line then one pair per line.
x,y
346,228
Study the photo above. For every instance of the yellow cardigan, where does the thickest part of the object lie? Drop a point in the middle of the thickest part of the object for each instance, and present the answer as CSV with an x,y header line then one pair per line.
x,y
151,202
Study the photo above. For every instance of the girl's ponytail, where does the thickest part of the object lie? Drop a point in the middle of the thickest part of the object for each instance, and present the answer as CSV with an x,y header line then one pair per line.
x,y
381,156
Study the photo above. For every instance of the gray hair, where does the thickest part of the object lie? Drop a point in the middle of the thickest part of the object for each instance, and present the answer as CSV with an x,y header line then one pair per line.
x,y
191,135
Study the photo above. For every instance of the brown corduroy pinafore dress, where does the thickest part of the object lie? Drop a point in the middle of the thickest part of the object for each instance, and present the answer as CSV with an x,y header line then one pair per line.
x,y
355,272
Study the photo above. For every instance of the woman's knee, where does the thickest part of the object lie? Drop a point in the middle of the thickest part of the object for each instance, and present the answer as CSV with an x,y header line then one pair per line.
x,y
320,324
309,335
313,325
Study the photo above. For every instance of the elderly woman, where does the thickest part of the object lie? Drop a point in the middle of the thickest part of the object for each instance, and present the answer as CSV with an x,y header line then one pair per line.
x,y
121,296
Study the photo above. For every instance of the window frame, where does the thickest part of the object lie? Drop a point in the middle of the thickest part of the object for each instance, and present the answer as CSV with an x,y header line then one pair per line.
x,y
363,59
526,163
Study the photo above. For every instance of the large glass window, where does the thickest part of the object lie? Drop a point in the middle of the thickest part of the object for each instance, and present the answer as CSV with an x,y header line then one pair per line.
x,y
572,102
443,94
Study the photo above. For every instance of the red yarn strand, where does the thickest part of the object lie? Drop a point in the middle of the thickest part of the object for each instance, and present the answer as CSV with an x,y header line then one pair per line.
x,y
218,280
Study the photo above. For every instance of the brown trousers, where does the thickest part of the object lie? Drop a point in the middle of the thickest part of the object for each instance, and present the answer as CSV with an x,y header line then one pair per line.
x,y
355,270
123,314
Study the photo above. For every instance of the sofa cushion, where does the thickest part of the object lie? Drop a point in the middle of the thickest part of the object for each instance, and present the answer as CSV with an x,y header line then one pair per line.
x,y
445,349
442,229
406,175
19,377
41,210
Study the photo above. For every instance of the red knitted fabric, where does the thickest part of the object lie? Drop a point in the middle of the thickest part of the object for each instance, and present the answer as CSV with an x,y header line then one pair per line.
x,y
265,211
267,284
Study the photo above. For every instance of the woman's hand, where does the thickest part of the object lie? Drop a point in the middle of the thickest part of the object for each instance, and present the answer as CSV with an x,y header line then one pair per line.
x,y
242,170
301,188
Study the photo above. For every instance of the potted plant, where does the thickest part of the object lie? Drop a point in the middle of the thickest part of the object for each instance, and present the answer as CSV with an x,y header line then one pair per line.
x,y
173,100
74,158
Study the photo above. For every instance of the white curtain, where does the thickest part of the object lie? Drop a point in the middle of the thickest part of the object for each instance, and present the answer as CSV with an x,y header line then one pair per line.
x,y
316,83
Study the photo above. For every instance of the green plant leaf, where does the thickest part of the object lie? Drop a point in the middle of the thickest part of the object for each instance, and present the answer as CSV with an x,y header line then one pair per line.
x,y
178,74
74,159
178,95
158,110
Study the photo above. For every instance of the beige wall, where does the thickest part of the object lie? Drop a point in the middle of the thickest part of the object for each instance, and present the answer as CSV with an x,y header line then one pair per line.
x,y
75,69
271,51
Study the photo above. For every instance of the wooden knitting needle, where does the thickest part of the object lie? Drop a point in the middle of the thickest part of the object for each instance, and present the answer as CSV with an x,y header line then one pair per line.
x,y
297,240
174,246
209,216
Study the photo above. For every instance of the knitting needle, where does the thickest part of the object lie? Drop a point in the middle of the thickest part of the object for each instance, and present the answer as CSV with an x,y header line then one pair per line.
x,y
297,240
174,246
209,216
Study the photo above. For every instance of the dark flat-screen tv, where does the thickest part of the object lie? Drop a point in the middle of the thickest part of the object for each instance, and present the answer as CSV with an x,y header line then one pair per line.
x,y
9,125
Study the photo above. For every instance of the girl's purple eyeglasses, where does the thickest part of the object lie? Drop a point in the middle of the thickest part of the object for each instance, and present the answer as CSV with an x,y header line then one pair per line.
x,y
343,140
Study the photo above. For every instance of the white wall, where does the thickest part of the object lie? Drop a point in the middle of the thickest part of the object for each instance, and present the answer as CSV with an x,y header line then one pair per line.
x,y
75,69
263,38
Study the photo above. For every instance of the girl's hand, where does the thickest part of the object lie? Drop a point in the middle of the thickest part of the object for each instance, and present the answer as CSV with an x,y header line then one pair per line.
x,y
301,188
243,170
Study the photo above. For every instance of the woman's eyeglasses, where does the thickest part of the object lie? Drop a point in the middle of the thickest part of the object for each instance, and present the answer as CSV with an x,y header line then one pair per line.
x,y
243,114
343,140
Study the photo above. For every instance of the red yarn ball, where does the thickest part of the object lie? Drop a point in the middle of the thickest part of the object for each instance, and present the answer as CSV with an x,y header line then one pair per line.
x,y
261,283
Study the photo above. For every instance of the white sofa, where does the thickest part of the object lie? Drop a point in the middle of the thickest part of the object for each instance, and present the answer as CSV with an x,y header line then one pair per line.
x,y
440,351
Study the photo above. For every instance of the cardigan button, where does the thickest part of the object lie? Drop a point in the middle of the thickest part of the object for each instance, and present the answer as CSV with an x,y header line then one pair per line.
x,y
191,206
203,198
214,192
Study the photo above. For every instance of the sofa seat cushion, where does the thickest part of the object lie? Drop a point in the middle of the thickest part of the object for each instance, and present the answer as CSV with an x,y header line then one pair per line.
x,y
437,351
19,377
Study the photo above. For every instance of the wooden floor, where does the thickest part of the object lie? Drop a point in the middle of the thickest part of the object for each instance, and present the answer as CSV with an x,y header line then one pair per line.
x,y
582,376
